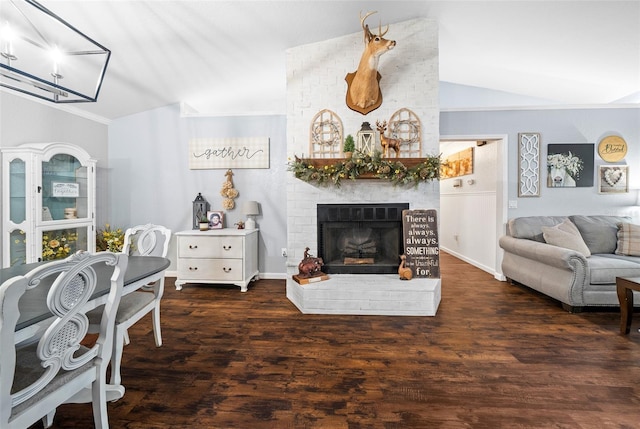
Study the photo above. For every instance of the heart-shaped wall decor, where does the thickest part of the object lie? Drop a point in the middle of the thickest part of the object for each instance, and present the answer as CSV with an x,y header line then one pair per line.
x,y
612,176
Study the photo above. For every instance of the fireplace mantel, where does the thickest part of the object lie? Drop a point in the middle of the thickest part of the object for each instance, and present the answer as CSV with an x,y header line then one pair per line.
x,y
323,162
399,171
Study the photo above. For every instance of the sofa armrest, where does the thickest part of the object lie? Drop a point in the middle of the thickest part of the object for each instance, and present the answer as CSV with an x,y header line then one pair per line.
x,y
560,273
545,253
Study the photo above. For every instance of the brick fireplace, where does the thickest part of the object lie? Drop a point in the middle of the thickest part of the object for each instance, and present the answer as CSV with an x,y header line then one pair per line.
x,y
315,81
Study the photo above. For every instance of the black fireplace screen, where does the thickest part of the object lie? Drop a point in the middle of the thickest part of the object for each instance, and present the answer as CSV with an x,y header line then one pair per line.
x,y
360,238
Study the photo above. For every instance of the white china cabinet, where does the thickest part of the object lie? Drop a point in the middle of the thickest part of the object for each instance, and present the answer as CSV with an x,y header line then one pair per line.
x,y
48,202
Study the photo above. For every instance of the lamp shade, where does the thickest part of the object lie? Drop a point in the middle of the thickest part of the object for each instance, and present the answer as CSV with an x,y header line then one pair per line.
x,y
250,208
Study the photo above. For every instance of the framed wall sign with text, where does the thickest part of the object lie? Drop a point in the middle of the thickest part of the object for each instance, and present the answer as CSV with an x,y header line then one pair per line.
x,y
208,153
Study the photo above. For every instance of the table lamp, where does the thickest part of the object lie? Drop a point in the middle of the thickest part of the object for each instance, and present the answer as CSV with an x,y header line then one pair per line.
x,y
250,208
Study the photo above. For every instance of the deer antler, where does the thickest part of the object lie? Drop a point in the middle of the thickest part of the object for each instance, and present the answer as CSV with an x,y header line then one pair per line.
x,y
382,125
366,27
380,34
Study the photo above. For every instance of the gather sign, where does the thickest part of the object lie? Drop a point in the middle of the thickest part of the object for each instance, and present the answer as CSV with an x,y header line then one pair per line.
x,y
211,153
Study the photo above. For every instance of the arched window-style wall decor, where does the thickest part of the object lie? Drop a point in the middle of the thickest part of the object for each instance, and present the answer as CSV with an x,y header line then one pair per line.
x,y
405,126
326,135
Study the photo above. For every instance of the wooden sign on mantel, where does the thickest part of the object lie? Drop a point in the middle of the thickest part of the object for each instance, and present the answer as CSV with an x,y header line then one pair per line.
x,y
420,240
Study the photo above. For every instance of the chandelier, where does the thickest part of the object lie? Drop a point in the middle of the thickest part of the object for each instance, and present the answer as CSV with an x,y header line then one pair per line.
x,y
44,56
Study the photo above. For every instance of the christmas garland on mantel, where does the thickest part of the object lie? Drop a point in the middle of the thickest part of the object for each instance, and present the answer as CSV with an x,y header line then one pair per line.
x,y
409,171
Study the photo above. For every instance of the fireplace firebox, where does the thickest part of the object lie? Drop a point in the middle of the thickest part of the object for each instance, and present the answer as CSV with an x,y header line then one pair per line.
x,y
360,238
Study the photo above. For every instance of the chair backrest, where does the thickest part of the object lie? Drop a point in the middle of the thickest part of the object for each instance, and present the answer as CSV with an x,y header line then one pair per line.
x,y
147,240
27,382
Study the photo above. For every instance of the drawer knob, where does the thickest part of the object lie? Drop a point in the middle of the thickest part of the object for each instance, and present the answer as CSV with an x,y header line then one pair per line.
x,y
193,268
226,247
226,270
191,246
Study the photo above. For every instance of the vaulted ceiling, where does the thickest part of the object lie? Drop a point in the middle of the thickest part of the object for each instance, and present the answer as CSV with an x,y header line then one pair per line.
x,y
229,57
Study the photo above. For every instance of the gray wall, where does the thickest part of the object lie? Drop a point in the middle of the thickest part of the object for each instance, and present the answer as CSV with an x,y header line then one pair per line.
x,y
23,120
145,159
559,126
150,179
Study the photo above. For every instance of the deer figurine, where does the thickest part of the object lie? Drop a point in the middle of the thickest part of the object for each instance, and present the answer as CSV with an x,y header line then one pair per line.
x,y
363,89
387,142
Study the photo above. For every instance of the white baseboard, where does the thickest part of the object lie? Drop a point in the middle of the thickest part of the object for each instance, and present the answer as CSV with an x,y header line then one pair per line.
x,y
474,263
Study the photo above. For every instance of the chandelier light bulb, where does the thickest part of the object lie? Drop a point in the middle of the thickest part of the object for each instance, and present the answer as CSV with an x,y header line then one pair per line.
x,y
7,37
56,55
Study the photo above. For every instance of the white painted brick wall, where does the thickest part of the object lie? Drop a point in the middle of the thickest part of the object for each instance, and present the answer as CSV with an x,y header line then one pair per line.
x,y
315,81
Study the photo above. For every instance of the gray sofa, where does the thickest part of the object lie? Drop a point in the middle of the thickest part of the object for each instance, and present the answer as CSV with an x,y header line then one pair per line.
x,y
569,276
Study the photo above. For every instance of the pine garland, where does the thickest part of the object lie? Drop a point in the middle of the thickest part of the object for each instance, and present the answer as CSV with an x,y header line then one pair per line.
x,y
387,169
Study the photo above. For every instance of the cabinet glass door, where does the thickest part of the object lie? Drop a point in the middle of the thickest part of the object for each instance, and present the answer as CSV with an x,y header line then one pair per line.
x,y
17,248
61,243
64,189
17,191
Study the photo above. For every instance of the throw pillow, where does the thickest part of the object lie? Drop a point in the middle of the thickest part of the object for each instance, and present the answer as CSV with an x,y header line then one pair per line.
x,y
565,235
628,239
599,232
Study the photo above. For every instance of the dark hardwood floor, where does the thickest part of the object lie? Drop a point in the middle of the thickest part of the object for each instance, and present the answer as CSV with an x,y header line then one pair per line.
x,y
495,356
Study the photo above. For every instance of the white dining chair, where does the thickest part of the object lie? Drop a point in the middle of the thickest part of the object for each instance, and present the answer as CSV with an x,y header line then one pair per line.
x,y
144,240
36,379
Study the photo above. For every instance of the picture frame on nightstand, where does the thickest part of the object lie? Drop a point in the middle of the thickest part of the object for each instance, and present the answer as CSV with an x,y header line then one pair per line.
x,y
216,219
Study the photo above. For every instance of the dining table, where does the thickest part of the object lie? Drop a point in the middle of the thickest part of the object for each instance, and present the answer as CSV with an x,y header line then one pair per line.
x,y
35,315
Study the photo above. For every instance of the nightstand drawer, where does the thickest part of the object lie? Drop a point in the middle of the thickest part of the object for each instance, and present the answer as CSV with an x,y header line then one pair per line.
x,y
204,269
210,247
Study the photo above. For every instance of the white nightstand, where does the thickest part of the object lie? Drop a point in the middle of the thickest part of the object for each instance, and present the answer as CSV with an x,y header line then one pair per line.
x,y
217,256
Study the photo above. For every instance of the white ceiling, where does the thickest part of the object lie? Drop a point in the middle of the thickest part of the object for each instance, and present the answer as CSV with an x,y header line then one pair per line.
x,y
228,57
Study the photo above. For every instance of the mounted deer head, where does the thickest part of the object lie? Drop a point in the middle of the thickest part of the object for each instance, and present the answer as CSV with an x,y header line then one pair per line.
x,y
363,90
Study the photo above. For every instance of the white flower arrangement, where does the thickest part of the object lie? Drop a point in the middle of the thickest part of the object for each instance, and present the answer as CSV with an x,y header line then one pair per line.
x,y
569,162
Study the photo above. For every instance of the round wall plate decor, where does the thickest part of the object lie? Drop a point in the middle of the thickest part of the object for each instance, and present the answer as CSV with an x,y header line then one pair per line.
x,y
612,148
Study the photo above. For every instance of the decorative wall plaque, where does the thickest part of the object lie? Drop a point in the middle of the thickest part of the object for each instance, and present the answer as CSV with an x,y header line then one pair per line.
x,y
250,152
421,245
326,135
612,148
528,164
405,125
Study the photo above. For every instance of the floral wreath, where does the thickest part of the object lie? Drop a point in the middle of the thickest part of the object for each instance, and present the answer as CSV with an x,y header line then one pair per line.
x,y
568,161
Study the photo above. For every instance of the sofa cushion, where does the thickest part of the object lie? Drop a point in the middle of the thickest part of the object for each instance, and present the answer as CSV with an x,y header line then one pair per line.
x,y
565,235
604,268
531,227
600,233
628,239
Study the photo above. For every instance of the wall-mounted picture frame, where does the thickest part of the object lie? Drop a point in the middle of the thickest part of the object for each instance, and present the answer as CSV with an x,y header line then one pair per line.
x,y
528,164
613,179
216,219
226,153
612,148
570,165
457,164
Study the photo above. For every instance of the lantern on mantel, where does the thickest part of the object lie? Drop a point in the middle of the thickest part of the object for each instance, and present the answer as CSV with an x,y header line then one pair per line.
x,y
366,139
200,209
